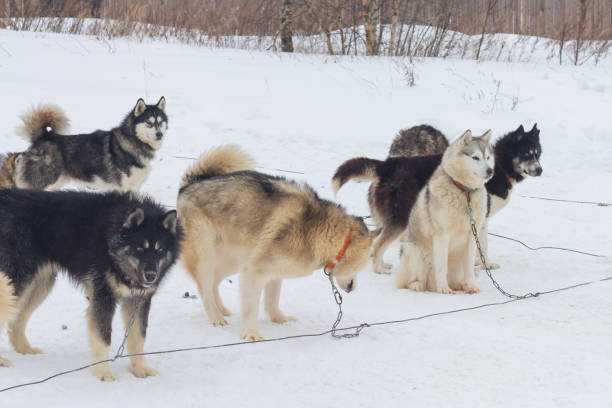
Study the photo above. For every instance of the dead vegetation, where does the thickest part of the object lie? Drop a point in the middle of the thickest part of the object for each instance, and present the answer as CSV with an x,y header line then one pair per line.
x,y
574,30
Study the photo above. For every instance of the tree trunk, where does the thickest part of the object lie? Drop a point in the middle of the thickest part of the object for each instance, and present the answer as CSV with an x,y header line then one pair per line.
x,y
368,7
287,26
490,6
394,19
339,25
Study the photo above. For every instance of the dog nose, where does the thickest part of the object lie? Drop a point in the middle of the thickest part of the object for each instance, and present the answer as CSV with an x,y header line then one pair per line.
x,y
539,171
159,135
149,276
489,172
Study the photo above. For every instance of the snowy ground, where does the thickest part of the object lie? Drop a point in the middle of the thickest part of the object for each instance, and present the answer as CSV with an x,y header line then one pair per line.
x,y
308,114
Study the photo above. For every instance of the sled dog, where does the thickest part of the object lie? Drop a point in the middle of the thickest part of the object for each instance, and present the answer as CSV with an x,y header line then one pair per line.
x,y
115,245
438,254
116,159
265,228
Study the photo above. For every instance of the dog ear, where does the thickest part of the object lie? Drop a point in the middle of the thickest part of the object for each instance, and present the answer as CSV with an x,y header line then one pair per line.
x,y
133,220
162,104
486,136
535,127
140,107
520,129
170,220
466,137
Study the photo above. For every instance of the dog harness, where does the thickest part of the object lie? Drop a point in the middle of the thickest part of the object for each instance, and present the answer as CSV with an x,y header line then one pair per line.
x,y
340,255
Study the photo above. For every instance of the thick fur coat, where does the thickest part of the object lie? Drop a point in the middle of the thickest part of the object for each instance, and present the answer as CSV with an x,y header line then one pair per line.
x,y
117,246
264,227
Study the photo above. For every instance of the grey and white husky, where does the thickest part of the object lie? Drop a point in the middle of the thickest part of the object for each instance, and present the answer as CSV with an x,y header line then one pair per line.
x,y
438,254
517,156
116,159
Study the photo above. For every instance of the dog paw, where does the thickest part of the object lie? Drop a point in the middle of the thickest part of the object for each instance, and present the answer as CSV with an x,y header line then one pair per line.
x,y
456,286
251,335
491,266
142,371
218,322
470,288
445,290
4,362
103,374
416,286
28,350
385,269
282,318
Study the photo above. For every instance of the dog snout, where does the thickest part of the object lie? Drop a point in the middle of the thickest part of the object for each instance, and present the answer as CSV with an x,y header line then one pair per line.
x,y
349,287
149,277
159,135
538,171
489,172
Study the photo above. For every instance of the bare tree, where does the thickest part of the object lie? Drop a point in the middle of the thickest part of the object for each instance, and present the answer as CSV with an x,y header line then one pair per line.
x,y
287,26
369,19
490,6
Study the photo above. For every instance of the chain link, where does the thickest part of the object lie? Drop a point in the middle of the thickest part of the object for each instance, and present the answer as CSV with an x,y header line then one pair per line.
x,y
338,299
128,328
483,260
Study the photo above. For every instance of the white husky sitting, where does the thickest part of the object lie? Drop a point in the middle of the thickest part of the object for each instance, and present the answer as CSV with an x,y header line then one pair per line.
x,y
439,252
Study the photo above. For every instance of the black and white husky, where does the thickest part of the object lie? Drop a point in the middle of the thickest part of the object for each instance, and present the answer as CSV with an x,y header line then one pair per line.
x,y
116,245
116,159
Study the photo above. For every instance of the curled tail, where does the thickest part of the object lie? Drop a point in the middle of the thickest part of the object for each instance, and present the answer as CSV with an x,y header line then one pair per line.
x,y
220,160
358,168
7,300
38,118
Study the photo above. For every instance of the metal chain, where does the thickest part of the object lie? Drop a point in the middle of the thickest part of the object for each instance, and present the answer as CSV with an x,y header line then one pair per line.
x,y
128,328
482,257
338,299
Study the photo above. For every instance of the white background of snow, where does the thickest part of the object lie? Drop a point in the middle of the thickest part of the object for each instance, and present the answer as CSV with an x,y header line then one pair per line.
x,y
309,114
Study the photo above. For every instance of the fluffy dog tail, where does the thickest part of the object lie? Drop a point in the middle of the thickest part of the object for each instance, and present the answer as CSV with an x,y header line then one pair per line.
x,y
220,160
7,300
358,168
38,118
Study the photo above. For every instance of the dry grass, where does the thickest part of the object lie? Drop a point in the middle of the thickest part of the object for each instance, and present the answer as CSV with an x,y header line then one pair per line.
x,y
579,30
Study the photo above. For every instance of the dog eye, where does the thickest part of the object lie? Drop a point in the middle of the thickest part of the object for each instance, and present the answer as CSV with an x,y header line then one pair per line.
x,y
139,250
149,125
475,158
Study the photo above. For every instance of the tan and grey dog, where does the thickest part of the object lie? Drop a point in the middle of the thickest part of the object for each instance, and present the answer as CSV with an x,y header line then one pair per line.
x,y
8,164
439,252
419,140
264,227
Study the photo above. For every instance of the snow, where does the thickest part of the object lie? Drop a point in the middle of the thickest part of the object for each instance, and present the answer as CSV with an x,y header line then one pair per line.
x,y
308,114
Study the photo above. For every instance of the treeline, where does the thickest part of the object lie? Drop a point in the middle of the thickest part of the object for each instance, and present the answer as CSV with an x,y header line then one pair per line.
x,y
373,27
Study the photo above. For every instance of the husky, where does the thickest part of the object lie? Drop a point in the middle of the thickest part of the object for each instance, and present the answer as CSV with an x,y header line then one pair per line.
x,y
422,140
517,156
397,182
264,227
117,246
8,163
116,159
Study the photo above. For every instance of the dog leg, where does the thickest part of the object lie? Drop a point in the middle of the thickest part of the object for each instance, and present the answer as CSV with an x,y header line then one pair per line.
x,y
440,263
483,237
99,325
468,283
251,285
138,333
33,295
383,241
208,289
411,268
7,308
224,311
271,298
